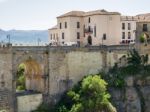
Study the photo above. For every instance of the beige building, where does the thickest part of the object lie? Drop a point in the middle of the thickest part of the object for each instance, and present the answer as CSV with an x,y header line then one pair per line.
x,y
128,29
95,28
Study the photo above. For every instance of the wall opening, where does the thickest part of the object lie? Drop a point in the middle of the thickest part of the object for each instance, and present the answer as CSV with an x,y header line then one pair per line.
x,y
89,40
29,77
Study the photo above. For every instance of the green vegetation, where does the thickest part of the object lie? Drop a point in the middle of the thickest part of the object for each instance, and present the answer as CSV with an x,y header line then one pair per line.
x,y
136,64
20,83
142,39
90,95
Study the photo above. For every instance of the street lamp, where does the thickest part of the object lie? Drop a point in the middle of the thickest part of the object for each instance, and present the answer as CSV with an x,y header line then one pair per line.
x,y
39,40
8,37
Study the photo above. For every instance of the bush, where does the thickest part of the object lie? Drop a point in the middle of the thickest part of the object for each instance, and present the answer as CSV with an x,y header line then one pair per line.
x,y
142,39
90,95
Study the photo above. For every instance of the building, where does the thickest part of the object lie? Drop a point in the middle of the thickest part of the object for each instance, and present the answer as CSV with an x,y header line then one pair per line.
x,y
143,29
95,28
128,29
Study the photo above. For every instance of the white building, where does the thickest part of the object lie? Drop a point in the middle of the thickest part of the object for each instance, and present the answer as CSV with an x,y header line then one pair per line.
x,y
96,28
128,29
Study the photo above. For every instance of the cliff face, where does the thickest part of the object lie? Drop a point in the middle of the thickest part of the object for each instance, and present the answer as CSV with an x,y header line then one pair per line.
x,y
134,97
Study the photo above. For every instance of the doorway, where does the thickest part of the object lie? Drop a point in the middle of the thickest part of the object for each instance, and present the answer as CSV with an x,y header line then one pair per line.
x,y
89,40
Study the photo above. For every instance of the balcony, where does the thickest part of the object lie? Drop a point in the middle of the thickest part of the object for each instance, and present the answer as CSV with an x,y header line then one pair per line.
x,y
88,30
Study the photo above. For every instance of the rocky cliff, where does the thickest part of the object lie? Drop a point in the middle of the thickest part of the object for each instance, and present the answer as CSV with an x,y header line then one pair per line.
x,y
134,97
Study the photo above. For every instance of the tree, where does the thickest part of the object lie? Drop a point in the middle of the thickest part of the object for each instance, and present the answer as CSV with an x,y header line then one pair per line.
x,y
90,96
135,59
20,83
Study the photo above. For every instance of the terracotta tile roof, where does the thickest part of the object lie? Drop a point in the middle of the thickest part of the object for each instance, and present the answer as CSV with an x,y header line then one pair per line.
x,y
72,13
90,13
100,12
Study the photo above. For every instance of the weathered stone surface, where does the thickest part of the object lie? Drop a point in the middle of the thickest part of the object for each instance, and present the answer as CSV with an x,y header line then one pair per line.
x,y
129,81
28,103
133,106
120,105
62,67
133,103
147,106
116,94
148,81
146,92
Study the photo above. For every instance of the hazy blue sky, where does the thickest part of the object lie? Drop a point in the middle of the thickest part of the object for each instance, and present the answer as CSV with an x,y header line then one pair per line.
x,y
41,14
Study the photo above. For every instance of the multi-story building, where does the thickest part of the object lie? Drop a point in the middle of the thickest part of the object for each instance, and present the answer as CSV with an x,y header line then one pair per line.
x,y
143,28
96,28
128,29
87,28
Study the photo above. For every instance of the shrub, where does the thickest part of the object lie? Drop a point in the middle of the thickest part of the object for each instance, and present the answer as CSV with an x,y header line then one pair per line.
x,y
89,96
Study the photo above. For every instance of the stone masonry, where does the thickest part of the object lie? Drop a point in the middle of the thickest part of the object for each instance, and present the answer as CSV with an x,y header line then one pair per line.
x,y
62,67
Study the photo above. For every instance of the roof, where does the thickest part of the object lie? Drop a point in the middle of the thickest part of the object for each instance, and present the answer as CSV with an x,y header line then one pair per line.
x,y
100,12
90,13
72,13
53,28
129,18
143,17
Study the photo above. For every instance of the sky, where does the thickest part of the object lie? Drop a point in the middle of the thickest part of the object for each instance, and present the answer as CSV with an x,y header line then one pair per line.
x,y
41,14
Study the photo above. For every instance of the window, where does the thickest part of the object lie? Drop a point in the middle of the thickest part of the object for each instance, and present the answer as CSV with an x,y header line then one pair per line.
x,y
63,36
89,29
78,24
60,25
51,36
65,24
89,20
54,37
94,31
129,26
84,30
145,27
129,35
78,35
123,26
104,36
123,35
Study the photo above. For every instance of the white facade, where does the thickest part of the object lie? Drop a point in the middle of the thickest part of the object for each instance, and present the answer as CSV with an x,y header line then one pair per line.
x,y
96,28
128,29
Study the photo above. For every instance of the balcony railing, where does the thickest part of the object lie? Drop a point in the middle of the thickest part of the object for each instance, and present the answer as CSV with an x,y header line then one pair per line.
x,y
88,30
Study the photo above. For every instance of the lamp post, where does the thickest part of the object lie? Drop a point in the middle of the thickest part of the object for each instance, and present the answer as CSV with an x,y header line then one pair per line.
x,y
38,40
8,37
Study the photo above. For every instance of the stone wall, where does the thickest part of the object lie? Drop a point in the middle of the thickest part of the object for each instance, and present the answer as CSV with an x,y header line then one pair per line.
x,y
6,79
134,97
68,66
62,67
27,103
66,69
